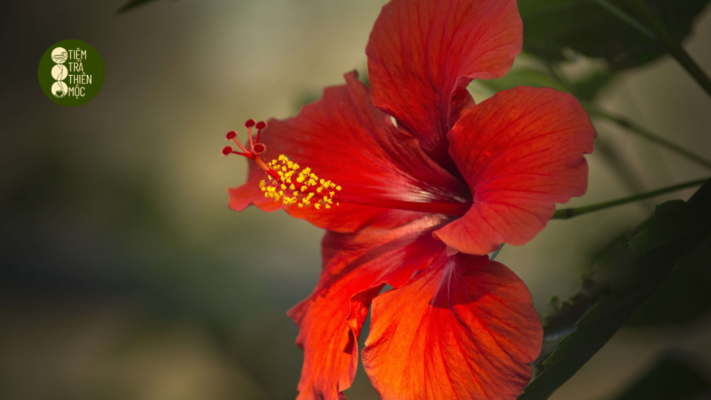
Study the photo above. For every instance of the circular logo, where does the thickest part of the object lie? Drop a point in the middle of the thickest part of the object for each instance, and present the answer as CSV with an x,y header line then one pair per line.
x,y
59,72
71,73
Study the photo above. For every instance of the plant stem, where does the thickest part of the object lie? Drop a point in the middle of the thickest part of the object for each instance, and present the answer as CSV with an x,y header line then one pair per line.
x,y
625,17
567,213
672,45
648,135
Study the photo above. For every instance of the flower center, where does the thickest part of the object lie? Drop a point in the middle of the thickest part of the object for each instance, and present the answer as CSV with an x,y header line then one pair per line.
x,y
287,182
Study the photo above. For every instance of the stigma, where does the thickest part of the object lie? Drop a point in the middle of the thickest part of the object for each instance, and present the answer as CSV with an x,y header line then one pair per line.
x,y
255,146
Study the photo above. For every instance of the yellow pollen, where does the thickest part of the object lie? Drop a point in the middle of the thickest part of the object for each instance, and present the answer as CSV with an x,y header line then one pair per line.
x,y
297,186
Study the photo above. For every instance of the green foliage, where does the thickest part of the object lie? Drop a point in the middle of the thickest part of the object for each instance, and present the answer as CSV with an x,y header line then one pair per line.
x,y
523,77
133,4
685,297
609,268
553,27
678,231
672,378
585,89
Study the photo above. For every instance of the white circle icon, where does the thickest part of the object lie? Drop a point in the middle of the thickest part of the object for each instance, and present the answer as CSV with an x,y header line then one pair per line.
x,y
59,89
59,72
59,55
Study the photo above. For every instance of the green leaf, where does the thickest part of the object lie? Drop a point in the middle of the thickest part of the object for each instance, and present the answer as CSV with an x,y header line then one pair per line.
x,y
659,247
685,297
585,90
553,27
133,4
610,268
523,77
672,378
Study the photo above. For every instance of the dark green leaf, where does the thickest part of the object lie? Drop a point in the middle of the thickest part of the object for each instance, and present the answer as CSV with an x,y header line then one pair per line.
x,y
551,27
673,378
685,297
660,245
610,268
133,4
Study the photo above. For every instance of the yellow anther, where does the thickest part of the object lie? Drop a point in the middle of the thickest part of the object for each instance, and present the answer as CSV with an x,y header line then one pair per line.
x,y
282,188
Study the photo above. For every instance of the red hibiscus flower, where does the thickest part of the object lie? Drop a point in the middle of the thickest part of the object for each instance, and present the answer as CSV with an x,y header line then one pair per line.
x,y
418,204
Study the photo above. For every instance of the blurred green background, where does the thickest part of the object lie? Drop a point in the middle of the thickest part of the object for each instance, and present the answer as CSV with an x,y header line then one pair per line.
x,y
123,275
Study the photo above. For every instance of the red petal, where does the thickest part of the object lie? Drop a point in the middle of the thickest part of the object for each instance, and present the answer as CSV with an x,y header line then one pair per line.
x,y
423,53
521,151
464,328
356,265
345,139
